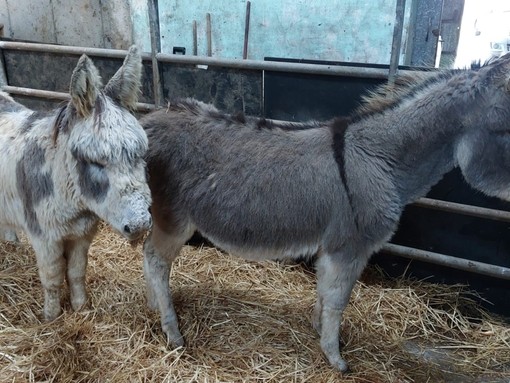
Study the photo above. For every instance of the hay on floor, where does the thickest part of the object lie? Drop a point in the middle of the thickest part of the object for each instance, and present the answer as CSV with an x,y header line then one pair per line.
x,y
242,321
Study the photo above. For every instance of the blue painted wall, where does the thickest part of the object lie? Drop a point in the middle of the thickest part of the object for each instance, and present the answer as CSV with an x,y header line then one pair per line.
x,y
343,30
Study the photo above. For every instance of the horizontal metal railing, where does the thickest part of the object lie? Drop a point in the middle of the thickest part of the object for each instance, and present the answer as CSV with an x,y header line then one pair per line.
x,y
448,260
59,96
403,251
332,70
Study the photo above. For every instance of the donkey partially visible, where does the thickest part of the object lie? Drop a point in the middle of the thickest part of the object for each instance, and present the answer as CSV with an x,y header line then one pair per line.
x,y
267,190
64,170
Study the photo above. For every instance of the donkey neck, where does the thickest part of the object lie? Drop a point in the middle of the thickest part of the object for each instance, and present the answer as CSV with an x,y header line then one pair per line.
x,y
414,142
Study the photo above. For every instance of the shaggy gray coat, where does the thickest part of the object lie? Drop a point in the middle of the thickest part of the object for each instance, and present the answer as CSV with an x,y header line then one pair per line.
x,y
266,190
63,170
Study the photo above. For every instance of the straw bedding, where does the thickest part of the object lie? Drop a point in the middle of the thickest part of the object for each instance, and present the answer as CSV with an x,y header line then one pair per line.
x,y
243,321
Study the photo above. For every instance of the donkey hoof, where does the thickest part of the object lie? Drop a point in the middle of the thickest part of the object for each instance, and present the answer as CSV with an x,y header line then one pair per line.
x,y
174,339
50,314
342,366
337,362
79,304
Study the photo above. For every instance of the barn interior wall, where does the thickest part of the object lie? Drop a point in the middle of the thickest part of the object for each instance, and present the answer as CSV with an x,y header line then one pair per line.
x,y
339,30
90,23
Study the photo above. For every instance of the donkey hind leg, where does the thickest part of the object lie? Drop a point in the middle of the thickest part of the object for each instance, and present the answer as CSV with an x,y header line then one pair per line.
x,y
159,250
51,265
76,253
335,280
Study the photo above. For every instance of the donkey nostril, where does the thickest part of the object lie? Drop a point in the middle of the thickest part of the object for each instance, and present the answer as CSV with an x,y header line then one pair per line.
x,y
127,229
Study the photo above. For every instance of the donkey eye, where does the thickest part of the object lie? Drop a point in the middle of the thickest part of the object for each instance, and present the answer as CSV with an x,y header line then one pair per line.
x,y
96,164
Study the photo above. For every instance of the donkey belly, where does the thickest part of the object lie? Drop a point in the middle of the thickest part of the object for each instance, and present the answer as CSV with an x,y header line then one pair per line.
x,y
265,225
265,250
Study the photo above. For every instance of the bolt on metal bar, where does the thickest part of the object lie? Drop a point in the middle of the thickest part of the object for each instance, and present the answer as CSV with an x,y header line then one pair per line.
x,y
449,261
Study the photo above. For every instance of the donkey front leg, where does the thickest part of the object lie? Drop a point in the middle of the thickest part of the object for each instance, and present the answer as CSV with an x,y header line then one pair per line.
x,y
76,253
336,275
159,251
9,235
51,264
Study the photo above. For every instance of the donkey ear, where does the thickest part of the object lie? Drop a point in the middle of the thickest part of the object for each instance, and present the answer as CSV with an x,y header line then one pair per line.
x,y
124,86
85,85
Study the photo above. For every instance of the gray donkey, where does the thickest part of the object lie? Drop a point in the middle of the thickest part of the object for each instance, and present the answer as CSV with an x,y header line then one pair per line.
x,y
63,170
268,190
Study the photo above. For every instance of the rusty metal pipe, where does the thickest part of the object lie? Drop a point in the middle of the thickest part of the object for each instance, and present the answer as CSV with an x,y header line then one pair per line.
x,y
448,261
67,49
332,70
59,96
474,211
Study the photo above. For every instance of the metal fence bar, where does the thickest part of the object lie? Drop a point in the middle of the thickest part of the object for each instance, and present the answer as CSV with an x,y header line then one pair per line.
x,y
449,261
155,49
67,49
60,96
453,207
397,39
332,70
3,73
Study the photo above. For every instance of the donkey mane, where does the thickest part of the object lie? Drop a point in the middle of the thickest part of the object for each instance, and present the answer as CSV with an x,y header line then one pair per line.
x,y
390,95
263,123
210,112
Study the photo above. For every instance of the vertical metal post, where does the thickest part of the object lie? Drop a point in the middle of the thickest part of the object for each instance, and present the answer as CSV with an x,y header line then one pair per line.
x,y
209,37
155,49
195,38
3,73
246,30
397,39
